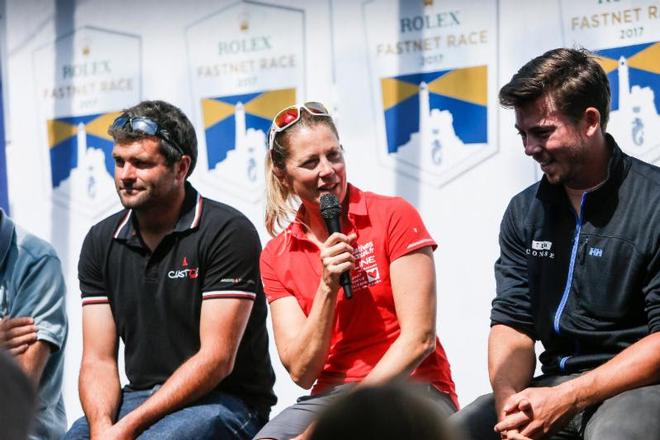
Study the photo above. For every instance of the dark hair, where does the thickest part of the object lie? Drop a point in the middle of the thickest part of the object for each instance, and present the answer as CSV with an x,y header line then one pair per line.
x,y
384,412
571,77
168,117
280,205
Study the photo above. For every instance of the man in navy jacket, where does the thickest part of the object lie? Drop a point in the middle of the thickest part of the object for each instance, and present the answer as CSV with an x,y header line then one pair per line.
x,y
579,270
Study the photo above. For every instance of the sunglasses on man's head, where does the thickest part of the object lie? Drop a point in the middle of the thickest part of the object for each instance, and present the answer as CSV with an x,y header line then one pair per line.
x,y
147,126
290,115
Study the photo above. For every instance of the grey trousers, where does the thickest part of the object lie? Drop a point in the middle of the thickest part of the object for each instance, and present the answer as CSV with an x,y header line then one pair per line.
x,y
631,415
296,418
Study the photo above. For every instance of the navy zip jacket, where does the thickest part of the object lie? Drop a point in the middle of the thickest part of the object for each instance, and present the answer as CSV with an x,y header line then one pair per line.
x,y
587,284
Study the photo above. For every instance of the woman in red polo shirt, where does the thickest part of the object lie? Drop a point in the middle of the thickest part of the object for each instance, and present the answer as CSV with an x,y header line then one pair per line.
x,y
326,341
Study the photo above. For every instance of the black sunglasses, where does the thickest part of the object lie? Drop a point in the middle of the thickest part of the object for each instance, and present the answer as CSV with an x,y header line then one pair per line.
x,y
146,126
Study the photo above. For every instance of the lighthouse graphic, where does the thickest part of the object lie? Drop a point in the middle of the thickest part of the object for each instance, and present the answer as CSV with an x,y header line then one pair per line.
x,y
634,74
436,121
236,131
247,156
81,162
436,143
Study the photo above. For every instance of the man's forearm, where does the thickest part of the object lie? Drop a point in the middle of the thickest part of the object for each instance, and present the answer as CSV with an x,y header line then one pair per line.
x,y
100,394
17,334
33,361
636,366
192,380
511,362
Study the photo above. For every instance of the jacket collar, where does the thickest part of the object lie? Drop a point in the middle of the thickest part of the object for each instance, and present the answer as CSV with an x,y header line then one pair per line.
x,y
191,213
617,169
6,235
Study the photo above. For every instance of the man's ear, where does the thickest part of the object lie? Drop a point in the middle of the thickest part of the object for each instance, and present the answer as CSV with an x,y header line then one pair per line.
x,y
591,121
182,166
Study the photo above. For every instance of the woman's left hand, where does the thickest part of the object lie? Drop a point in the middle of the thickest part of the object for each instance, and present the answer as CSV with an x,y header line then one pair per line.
x,y
337,257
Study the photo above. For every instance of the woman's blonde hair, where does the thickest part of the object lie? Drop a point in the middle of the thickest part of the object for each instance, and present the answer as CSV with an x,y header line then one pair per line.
x,y
281,202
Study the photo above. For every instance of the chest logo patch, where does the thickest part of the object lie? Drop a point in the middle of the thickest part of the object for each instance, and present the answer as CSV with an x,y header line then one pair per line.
x,y
372,275
366,272
184,272
541,249
541,245
595,252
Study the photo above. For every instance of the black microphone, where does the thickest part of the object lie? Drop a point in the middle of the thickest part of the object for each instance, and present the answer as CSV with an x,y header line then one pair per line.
x,y
331,213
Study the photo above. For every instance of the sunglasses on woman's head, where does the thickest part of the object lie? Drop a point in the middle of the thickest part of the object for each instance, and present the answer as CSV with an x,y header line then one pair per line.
x,y
290,115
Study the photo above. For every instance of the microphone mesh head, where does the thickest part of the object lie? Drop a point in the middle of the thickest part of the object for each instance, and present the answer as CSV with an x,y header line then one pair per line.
x,y
330,207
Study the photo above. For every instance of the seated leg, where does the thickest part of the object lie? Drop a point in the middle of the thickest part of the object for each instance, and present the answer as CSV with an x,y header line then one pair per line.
x,y
216,416
129,401
631,415
296,418
476,421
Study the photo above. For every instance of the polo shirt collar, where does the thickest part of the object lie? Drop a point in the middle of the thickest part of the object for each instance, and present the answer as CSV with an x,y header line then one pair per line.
x,y
191,213
191,210
357,207
6,234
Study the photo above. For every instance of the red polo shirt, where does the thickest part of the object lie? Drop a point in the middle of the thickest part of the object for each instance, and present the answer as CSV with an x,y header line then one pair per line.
x,y
365,326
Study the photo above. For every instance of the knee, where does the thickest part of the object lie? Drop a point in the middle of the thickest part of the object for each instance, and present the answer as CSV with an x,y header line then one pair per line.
x,y
481,410
202,422
476,421
613,429
78,431
632,415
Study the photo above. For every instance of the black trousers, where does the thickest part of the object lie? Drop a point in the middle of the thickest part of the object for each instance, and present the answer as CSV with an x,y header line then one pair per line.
x,y
631,415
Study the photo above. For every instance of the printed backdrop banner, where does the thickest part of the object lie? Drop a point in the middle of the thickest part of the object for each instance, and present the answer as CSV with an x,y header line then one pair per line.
x,y
83,81
243,69
626,36
412,85
433,67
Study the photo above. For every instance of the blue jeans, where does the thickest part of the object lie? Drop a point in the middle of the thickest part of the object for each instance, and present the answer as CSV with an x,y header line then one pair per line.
x,y
216,416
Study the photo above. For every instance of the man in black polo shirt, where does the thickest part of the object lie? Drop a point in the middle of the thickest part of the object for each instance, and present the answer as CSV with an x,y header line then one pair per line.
x,y
176,276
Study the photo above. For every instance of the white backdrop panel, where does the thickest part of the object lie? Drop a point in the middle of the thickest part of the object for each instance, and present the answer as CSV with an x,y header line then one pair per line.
x,y
413,85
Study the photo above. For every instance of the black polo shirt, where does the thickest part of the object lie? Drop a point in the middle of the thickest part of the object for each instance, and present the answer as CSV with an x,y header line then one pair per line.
x,y
156,298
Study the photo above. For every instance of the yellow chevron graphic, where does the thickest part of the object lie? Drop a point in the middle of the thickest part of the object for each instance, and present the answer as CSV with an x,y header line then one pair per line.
x,y
99,126
269,103
395,91
59,131
215,111
647,59
608,64
469,84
